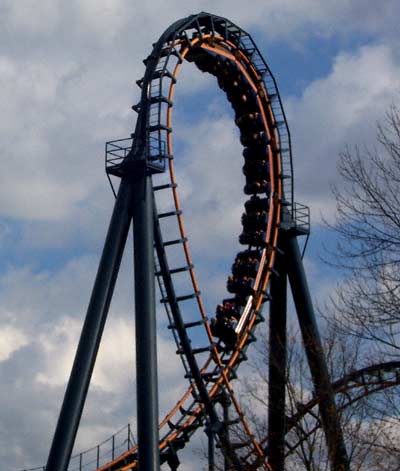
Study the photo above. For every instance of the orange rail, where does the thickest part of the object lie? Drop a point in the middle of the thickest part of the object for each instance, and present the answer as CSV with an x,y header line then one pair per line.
x,y
223,47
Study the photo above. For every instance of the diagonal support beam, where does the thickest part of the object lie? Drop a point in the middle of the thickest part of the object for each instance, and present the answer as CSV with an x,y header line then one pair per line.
x,y
315,356
85,358
277,366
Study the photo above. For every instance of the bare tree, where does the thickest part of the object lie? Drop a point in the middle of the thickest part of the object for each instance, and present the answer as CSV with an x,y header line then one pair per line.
x,y
366,314
370,423
368,226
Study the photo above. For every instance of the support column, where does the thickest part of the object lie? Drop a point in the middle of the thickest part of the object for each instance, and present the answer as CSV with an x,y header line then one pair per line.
x,y
211,446
226,403
316,359
85,358
277,367
145,319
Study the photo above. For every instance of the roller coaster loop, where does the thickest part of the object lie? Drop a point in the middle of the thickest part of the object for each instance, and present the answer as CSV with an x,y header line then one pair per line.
x,y
272,222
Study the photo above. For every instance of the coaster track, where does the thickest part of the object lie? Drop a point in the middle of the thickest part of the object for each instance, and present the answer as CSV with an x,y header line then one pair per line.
x,y
216,46
351,388
210,350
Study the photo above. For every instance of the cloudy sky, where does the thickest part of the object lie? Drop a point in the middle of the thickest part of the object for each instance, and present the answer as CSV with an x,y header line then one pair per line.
x,y
67,81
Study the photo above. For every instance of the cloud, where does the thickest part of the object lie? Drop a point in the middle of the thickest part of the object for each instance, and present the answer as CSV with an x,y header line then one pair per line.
x,y
49,173
66,86
105,18
28,15
59,342
115,364
11,340
339,110
289,19
295,21
51,349
212,181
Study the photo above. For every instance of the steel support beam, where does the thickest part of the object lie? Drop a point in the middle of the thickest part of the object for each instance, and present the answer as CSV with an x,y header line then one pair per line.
x,y
85,358
315,356
226,403
277,367
211,447
145,319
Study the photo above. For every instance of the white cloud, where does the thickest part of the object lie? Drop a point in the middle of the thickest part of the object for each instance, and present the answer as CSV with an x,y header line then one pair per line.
x,y
11,340
59,343
30,297
105,20
338,110
115,362
115,365
296,20
32,16
66,73
104,17
209,173
32,185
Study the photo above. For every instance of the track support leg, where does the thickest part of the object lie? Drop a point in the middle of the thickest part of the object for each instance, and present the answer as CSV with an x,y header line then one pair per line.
x,y
145,318
226,403
85,358
210,431
316,358
277,367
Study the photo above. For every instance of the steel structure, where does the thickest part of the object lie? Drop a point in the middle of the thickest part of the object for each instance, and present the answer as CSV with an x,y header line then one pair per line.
x,y
272,222
351,388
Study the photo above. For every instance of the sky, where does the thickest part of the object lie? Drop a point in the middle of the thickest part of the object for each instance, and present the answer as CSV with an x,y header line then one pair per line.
x,y
67,82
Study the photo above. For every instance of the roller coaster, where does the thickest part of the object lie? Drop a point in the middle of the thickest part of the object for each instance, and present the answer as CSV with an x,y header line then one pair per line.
x,y
211,347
